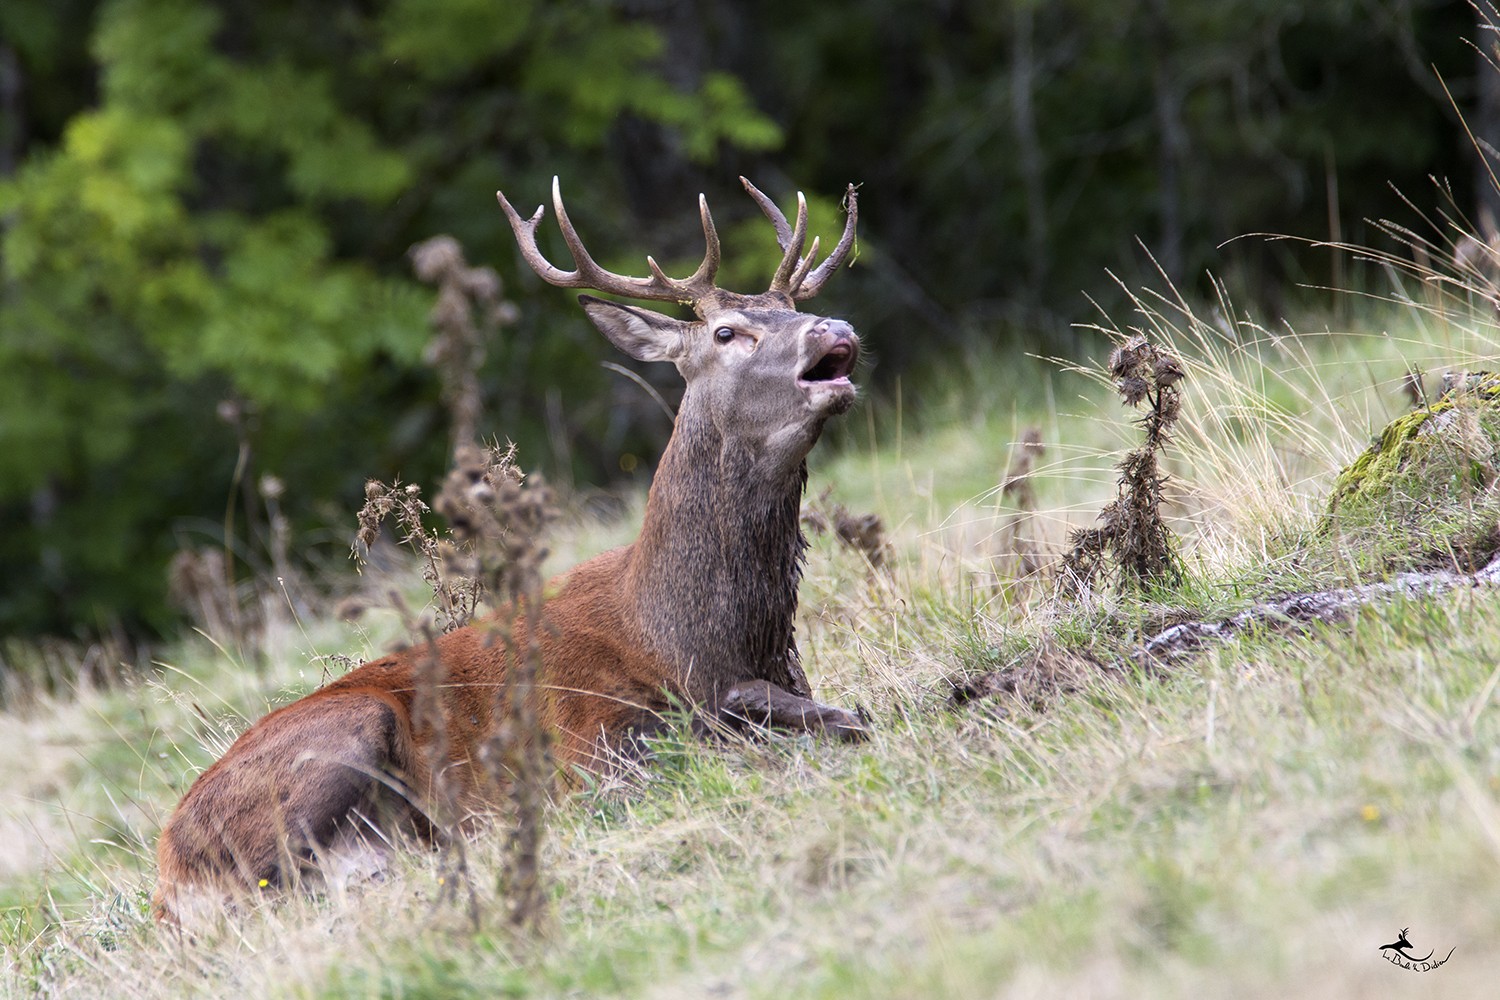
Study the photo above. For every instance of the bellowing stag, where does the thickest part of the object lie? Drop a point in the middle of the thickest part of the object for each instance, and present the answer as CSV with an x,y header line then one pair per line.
x,y
697,611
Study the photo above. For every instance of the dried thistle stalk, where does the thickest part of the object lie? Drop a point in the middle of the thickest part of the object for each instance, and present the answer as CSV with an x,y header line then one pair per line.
x,y
456,595
1016,540
498,520
468,311
1133,542
864,533
491,554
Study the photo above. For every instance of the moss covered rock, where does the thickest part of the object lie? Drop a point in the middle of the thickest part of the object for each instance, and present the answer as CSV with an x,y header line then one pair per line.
x,y
1427,485
1450,450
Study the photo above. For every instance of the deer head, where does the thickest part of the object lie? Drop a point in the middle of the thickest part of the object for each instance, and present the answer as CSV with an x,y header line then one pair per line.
x,y
763,376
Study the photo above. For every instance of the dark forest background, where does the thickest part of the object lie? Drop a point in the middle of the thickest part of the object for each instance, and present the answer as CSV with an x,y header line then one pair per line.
x,y
206,208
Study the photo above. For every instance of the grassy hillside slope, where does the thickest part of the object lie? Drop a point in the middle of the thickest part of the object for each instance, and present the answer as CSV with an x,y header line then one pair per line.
x,y
1253,821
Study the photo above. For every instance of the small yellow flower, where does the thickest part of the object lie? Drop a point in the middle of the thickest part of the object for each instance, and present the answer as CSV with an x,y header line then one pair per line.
x,y
263,883
441,880
1369,813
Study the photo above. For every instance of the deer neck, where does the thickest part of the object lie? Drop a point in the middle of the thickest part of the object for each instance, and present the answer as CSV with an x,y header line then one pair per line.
x,y
714,574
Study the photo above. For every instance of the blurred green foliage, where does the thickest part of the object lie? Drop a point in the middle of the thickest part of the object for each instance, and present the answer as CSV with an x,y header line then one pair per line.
x,y
205,208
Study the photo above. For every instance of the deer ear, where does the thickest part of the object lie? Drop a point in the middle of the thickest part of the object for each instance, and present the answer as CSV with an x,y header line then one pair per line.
x,y
640,333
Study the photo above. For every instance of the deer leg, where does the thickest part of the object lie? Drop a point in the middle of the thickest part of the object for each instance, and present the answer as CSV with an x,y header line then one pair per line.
x,y
762,703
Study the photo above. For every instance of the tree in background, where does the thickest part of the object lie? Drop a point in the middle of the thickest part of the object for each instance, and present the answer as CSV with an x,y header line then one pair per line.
x,y
1015,150
220,231
205,208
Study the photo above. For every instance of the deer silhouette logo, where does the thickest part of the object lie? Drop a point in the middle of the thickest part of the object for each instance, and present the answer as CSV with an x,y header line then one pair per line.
x,y
1401,945
1399,952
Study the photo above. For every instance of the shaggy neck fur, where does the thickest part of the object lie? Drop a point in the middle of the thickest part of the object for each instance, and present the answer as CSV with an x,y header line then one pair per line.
x,y
715,570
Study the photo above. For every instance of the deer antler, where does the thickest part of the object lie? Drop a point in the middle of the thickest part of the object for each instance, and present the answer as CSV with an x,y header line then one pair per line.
x,y
792,277
588,274
795,277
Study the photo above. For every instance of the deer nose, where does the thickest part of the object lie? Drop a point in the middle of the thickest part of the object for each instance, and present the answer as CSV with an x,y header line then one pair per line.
x,y
835,329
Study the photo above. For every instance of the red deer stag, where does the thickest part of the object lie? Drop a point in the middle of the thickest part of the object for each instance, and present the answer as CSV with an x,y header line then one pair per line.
x,y
697,611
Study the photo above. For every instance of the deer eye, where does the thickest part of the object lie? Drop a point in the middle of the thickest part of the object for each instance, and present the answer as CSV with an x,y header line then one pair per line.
x,y
723,334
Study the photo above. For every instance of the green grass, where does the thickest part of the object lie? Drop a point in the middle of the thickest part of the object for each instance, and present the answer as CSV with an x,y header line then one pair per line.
x,y
1254,822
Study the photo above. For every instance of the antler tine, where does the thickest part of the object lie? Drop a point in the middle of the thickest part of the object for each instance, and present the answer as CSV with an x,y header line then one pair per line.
x,y
768,207
525,230
782,282
588,274
802,268
815,281
704,276
803,284
581,258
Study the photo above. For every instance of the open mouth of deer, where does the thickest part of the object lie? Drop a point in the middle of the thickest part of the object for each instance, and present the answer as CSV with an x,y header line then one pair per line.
x,y
835,365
